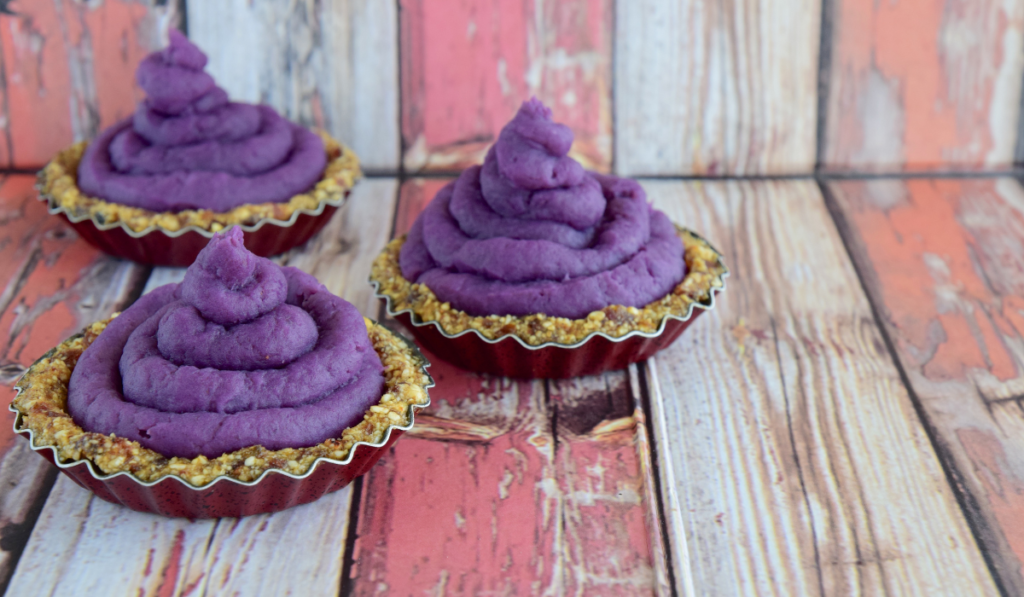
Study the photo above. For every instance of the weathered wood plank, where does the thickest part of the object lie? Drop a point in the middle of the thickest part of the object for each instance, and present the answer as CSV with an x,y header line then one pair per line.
x,y
466,504
332,65
511,486
484,495
793,461
714,88
113,550
607,531
67,70
467,69
942,261
105,549
51,285
917,85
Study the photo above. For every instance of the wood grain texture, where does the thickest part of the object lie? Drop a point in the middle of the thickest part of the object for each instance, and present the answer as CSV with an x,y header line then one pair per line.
x,y
112,550
607,530
793,461
466,70
511,486
942,261
919,85
105,549
712,88
486,496
332,65
67,70
51,285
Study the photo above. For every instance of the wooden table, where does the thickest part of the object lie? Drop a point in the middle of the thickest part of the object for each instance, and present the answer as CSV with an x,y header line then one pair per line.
x,y
846,420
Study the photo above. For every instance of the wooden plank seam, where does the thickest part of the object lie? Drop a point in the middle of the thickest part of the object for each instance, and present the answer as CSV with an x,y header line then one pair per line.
x,y
967,501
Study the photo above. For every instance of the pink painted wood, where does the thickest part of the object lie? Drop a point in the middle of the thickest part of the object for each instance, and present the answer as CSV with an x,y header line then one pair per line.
x,y
467,68
67,70
920,85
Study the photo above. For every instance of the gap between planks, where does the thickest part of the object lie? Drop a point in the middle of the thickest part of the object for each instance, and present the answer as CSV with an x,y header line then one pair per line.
x,y
969,505
792,458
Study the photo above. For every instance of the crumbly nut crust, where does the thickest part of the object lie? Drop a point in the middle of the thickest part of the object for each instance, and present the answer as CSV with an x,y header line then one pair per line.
x,y
58,182
705,272
43,406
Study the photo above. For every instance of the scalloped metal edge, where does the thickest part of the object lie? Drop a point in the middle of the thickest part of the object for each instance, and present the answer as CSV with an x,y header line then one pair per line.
x,y
223,478
53,208
418,322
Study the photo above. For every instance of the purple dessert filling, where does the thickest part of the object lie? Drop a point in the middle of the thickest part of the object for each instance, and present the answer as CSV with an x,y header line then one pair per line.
x,y
188,147
243,352
531,231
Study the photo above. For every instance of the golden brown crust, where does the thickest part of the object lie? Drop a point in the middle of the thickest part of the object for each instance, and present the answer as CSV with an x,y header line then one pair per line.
x,y
43,404
705,271
59,182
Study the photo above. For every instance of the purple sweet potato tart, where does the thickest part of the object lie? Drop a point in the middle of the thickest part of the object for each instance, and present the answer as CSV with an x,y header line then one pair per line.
x,y
243,372
532,252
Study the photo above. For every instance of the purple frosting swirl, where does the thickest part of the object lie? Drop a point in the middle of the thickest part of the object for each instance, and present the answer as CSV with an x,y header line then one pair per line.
x,y
188,147
531,231
243,352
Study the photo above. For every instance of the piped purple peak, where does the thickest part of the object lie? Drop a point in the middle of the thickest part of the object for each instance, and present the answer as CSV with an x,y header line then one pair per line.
x,y
531,231
243,352
188,147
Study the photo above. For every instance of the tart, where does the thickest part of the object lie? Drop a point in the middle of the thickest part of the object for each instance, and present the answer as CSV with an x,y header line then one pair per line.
x,y
188,163
530,266
247,388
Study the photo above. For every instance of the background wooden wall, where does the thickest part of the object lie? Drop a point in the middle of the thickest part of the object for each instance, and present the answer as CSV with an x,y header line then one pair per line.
x,y
651,87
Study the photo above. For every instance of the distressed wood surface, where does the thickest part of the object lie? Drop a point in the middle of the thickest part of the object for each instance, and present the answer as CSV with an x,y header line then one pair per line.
x,y
67,70
488,495
52,284
511,486
332,65
919,85
711,88
942,260
793,461
112,550
466,70
105,549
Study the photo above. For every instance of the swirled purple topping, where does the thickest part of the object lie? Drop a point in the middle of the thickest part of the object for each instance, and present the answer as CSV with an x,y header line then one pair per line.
x,y
243,352
188,147
531,231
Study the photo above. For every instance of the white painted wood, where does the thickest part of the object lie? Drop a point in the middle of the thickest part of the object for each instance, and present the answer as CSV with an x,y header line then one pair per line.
x,y
716,88
83,545
328,64
791,458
